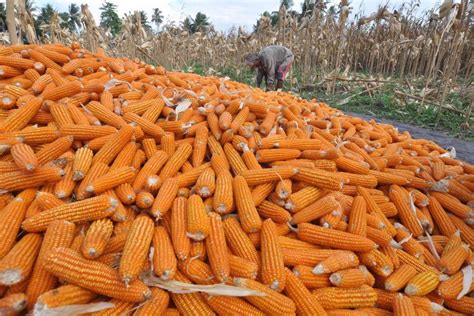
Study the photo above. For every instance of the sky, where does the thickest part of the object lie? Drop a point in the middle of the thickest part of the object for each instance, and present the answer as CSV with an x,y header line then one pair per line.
x,y
223,14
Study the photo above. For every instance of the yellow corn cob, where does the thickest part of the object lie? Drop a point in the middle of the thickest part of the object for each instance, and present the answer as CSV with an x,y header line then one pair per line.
x,y
403,306
64,187
165,197
89,209
422,284
319,178
151,167
405,213
324,206
242,268
47,201
453,205
466,233
144,200
149,147
451,288
97,170
339,261
136,248
64,295
306,304
95,276
24,157
181,243
18,263
260,176
272,303
190,304
260,192
378,262
452,261
223,193
399,278
197,270
86,132
248,214
198,221
349,278
20,118
216,249
358,217
236,163
54,150
59,234
206,183
302,198
267,209
272,269
114,145
335,298
238,241
309,279
11,217
164,259
442,220
157,304
175,162
125,193
270,155
464,305
111,180
200,145
66,90
106,115
96,239
19,180
333,238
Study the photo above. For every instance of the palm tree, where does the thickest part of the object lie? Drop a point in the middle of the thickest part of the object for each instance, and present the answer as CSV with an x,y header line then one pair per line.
x,y
74,19
307,7
10,12
44,17
109,17
201,22
157,17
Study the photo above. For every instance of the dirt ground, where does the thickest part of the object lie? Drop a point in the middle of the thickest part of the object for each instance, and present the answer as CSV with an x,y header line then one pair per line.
x,y
464,149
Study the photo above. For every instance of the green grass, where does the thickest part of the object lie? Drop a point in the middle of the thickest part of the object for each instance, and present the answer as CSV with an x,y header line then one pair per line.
x,y
383,104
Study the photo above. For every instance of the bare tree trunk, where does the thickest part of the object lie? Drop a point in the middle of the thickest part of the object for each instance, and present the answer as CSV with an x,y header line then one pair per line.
x,y
11,21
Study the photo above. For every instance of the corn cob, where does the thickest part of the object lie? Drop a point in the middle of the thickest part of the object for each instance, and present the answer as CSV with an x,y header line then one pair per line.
x,y
333,238
403,306
18,263
20,118
422,283
157,304
89,209
96,239
197,219
216,249
334,298
11,217
136,249
59,234
24,157
338,261
164,199
248,214
164,259
95,276
272,269
238,241
175,162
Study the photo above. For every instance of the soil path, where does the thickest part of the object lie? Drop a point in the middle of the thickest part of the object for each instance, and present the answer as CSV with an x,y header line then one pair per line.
x,y
464,148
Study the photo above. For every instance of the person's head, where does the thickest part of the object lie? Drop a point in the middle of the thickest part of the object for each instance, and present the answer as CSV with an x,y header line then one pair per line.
x,y
252,60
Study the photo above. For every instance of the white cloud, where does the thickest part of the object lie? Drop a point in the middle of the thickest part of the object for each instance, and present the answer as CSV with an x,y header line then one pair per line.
x,y
222,14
